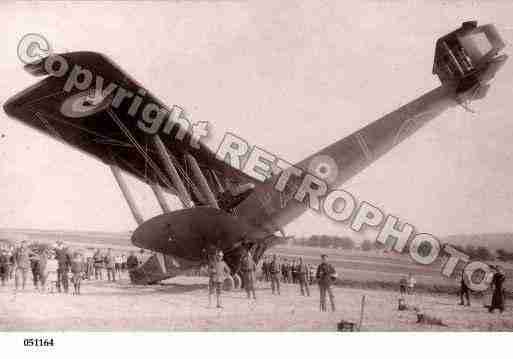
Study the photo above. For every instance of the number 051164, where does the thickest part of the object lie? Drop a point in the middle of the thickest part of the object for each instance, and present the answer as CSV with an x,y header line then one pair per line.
x,y
38,342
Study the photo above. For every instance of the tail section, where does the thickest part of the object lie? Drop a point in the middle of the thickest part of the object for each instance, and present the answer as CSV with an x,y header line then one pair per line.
x,y
465,60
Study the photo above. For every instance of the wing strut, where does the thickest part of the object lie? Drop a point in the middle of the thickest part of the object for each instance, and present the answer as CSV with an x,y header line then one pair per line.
x,y
171,171
126,193
157,190
133,207
201,180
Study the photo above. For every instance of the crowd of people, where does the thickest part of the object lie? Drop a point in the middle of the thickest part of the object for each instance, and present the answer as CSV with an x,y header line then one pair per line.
x,y
497,285
274,270
54,268
407,287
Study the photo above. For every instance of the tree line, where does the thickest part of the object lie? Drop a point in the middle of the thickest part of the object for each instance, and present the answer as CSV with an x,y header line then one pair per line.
x,y
480,253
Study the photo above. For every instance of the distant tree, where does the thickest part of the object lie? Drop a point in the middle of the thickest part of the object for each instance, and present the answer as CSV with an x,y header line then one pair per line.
x,y
504,255
346,243
366,245
315,241
470,251
483,253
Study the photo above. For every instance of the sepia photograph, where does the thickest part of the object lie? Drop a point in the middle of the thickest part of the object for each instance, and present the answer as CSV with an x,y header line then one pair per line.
x,y
255,166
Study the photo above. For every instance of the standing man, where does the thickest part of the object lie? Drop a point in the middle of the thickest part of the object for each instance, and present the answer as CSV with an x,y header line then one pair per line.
x,y
43,259
326,274
464,290
12,264
34,266
89,268
22,265
274,271
131,264
294,267
218,271
118,262
265,270
109,265
403,282
285,271
98,265
64,263
411,283
123,262
302,274
248,269
4,266
498,290
311,275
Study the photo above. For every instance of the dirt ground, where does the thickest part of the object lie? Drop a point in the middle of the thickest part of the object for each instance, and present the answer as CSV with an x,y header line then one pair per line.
x,y
182,304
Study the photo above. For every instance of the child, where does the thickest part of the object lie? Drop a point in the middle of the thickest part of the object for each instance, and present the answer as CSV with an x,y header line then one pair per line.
x,y
51,273
77,268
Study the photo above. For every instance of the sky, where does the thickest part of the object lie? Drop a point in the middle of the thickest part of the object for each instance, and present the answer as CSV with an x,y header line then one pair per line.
x,y
291,77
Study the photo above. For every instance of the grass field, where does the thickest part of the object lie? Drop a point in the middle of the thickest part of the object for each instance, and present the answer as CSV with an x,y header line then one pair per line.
x,y
358,269
182,304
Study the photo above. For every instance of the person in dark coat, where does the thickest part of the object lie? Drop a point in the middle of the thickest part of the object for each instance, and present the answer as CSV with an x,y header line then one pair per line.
x,y
248,269
302,277
274,271
109,265
326,275
34,266
43,258
285,271
464,292
98,265
132,262
77,269
63,258
403,283
498,290
265,270
22,265
4,266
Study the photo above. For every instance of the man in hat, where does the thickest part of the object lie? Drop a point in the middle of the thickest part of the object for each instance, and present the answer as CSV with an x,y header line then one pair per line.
x,y
248,269
4,266
464,292
98,265
63,258
22,265
218,271
274,271
302,277
131,264
498,289
326,275
110,265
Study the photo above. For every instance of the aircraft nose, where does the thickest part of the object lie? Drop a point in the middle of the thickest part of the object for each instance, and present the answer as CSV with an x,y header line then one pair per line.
x,y
135,239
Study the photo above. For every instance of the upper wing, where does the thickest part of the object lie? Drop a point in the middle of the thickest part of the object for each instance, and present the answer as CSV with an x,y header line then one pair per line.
x,y
88,102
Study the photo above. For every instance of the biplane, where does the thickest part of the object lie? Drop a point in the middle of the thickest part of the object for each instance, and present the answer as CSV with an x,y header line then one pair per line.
x,y
88,102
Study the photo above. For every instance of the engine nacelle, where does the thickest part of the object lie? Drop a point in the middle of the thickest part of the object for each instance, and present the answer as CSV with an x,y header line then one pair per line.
x,y
469,56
